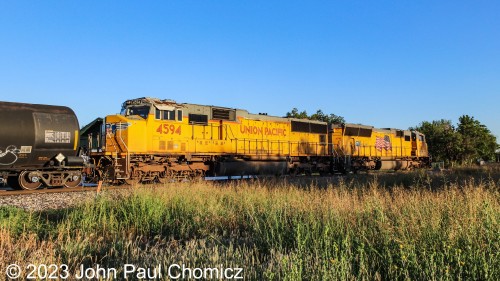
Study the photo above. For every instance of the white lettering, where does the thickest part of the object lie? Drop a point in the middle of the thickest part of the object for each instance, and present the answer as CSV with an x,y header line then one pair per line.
x,y
170,271
127,269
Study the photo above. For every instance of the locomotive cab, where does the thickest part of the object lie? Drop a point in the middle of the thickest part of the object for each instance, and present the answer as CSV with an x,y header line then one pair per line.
x,y
141,111
139,134
418,145
149,107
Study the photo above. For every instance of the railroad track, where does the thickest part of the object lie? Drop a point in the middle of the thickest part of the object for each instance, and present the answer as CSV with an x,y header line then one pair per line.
x,y
96,188
54,198
43,191
5,192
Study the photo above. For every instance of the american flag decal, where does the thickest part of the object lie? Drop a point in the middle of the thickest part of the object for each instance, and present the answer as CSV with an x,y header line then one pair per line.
x,y
384,143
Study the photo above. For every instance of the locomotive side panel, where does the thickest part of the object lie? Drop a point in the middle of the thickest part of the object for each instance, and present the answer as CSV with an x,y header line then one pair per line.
x,y
175,131
370,148
261,137
158,136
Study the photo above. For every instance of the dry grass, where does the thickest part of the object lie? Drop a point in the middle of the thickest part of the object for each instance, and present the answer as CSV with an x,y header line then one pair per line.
x,y
415,225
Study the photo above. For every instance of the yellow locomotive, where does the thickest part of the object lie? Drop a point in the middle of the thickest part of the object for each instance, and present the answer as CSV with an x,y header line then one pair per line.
x,y
369,148
152,139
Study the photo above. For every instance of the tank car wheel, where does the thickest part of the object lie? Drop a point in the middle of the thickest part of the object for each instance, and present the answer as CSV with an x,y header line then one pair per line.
x,y
73,183
26,183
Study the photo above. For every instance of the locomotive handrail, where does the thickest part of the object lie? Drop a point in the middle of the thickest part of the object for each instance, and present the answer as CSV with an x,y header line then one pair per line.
x,y
127,161
372,151
109,135
265,147
119,128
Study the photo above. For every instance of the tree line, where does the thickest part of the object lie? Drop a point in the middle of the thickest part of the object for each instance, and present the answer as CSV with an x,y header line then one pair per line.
x,y
465,143
319,116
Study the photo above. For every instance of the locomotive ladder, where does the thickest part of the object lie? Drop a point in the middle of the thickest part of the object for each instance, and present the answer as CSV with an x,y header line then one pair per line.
x,y
127,156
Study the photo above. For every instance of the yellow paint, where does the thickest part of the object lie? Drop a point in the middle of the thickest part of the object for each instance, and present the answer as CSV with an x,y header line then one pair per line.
x,y
268,137
76,140
367,146
244,137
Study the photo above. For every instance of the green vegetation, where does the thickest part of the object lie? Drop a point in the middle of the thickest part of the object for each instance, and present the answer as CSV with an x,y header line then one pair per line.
x,y
319,116
464,144
383,226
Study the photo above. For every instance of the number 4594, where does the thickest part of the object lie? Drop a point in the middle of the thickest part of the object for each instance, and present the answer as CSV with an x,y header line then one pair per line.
x,y
168,129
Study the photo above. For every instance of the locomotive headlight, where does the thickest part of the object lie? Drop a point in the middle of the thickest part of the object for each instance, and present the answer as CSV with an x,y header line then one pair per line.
x,y
60,157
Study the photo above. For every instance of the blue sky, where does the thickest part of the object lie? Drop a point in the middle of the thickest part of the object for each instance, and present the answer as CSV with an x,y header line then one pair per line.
x,y
382,63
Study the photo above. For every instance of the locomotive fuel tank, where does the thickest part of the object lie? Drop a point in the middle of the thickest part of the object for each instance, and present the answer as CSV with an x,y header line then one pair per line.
x,y
394,165
238,167
33,136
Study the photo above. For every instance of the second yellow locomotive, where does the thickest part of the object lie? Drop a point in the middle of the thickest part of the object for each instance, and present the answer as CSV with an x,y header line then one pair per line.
x,y
366,147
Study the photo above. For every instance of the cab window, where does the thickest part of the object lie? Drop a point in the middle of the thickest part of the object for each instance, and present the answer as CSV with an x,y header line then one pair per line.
x,y
165,114
168,115
142,111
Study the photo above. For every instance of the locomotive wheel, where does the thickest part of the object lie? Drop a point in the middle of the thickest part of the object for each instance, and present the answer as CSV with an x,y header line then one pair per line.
x,y
135,178
132,182
73,183
26,183
199,174
104,175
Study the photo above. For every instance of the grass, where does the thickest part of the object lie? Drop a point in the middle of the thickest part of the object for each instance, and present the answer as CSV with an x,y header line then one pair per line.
x,y
384,226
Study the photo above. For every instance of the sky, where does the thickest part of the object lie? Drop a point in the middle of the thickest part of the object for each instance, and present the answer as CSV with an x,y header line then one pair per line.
x,y
380,63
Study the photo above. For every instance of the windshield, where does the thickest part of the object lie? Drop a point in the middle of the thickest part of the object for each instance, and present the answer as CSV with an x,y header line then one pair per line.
x,y
142,111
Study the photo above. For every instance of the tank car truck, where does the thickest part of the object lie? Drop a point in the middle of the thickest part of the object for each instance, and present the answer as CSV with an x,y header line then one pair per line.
x,y
39,146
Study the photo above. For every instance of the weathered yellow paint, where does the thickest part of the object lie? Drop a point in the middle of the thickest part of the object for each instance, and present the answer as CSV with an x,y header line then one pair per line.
x,y
390,145
244,136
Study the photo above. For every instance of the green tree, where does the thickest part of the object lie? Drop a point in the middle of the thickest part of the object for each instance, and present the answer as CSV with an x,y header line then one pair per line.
x,y
296,114
443,140
477,140
466,143
330,119
319,115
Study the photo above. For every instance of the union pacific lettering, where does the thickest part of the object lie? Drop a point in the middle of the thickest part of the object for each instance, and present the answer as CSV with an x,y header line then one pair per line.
x,y
254,130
